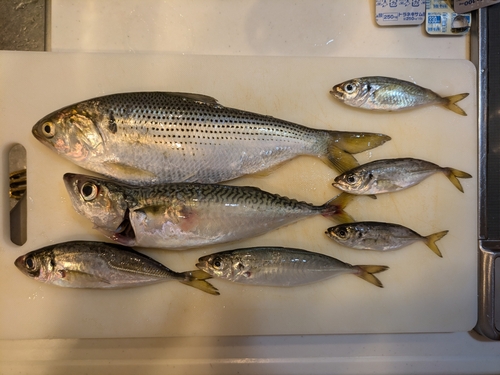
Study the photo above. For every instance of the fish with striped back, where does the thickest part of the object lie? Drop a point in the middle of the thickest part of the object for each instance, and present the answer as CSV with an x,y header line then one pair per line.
x,y
187,215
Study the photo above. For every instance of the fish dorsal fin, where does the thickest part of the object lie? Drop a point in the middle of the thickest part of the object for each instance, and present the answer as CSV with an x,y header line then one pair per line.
x,y
197,97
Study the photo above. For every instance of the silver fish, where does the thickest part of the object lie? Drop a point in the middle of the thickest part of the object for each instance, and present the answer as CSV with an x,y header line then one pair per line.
x,y
280,266
391,94
148,138
371,235
177,216
88,264
389,175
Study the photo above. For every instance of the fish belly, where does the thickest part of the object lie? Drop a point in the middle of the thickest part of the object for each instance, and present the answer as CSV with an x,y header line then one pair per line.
x,y
207,162
292,269
211,224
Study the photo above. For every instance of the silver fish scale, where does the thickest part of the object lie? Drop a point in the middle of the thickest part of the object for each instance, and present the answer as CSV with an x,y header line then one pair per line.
x,y
389,93
286,266
181,129
103,257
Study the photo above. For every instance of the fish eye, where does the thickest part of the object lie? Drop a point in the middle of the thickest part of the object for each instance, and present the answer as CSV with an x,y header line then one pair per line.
x,y
217,263
30,264
342,233
351,179
89,191
48,129
349,88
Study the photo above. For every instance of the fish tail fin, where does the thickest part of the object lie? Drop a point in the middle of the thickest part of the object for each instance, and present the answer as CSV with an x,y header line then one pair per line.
x,y
197,279
340,146
334,208
451,101
454,174
366,273
431,241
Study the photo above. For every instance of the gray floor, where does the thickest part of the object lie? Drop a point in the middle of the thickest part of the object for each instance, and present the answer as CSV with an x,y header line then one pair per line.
x,y
22,25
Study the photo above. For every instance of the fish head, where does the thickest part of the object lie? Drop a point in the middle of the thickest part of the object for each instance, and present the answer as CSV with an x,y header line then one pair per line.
x,y
40,265
354,92
343,233
355,181
218,265
99,200
72,133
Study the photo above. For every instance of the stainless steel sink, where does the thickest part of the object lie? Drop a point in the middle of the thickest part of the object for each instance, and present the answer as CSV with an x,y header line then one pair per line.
x,y
485,53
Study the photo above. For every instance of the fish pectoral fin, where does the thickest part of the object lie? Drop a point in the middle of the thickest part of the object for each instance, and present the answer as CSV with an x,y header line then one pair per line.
x,y
451,101
125,171
191,279
196,97
182,217
74,276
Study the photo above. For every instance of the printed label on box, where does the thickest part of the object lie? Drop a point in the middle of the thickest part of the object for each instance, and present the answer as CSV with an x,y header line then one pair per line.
x,y
399,12
463,6
441,19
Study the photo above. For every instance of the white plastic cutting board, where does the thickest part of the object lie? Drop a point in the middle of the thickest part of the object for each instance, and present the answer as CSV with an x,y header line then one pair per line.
x,y
422,293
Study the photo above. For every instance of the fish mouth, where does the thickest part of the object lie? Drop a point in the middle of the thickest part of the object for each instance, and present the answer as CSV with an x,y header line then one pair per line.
x,y
35,132
336,91
337,184
68,179
19,262
202,264
341,186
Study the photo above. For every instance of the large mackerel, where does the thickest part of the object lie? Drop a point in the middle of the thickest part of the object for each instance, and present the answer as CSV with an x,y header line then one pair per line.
x,y
184,215
147,138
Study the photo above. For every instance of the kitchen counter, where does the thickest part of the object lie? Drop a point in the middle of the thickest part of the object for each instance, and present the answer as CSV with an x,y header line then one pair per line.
x,y
341,28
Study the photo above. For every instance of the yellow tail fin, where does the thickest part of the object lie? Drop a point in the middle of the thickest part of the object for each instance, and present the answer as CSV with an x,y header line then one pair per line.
x,y
431,241
451,103
340,160
196,279
355,142
454,174
366,273
342,144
